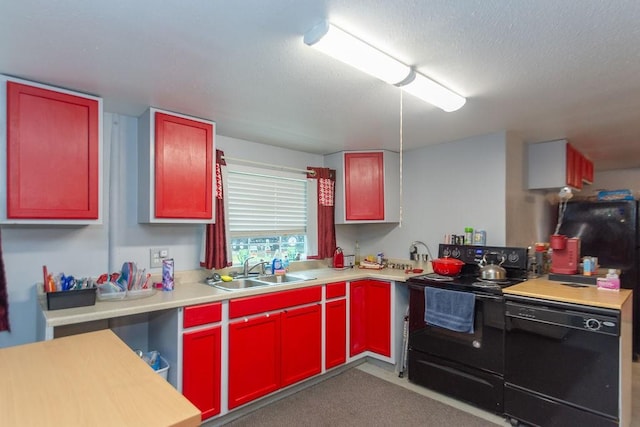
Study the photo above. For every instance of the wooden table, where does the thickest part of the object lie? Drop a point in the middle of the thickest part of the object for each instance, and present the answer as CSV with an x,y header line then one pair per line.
x,y
91,379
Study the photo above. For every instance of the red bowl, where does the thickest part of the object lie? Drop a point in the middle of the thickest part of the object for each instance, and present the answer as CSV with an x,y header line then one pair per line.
x,y
447,266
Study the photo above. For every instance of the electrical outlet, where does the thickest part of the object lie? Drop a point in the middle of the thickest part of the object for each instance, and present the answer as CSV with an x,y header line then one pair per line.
x,y
156,256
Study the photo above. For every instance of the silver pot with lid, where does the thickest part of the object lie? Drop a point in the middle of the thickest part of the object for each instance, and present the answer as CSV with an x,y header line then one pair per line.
x,y
489,270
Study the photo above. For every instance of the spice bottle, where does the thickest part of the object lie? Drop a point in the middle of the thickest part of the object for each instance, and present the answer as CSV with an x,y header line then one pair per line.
x,y
587,266
468,236
480,238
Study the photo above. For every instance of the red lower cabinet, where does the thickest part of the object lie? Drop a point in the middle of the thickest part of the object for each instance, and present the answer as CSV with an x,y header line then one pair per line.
x,y
358,317
301,344
370,317
378,315
201,369
335,333
254,358
273,351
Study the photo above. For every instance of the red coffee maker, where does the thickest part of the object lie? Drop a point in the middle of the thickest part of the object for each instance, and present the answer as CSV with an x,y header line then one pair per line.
x,y
338,258
565,257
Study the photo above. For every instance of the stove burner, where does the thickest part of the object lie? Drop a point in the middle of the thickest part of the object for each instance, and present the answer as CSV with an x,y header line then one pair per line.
x,y
437,277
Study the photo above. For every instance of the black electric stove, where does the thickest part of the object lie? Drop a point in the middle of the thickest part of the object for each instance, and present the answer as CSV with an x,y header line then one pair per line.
x,y
466,366
515,264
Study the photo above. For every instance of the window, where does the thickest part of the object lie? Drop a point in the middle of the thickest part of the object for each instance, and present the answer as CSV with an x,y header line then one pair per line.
x,y
267,215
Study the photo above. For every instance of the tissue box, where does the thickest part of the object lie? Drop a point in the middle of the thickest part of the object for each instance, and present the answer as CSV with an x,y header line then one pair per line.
x,y
609,284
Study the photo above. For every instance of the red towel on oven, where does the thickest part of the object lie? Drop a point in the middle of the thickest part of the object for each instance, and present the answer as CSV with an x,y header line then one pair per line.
x,y
449,309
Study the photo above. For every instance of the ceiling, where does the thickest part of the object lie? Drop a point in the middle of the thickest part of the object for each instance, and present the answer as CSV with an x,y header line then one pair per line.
x,y
543,69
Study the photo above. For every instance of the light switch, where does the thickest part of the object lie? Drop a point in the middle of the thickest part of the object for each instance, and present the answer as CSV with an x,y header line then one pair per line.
x,y
156,255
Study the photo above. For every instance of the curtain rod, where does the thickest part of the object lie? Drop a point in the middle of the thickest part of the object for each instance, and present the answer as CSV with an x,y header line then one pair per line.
x,y
269,165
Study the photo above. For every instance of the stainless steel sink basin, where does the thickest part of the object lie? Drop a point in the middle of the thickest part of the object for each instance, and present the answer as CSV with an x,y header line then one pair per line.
x,y
236,284
281,278
253,282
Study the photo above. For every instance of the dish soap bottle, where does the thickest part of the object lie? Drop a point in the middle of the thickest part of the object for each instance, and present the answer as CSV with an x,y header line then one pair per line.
x,y
357,256
276,264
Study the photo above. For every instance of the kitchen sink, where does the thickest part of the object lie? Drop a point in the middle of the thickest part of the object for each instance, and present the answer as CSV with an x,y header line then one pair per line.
x,y
281,278
254,282
236,284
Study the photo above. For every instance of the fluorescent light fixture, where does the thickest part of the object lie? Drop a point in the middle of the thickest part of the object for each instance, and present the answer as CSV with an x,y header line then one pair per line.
x,y
333,41
434,93
347,48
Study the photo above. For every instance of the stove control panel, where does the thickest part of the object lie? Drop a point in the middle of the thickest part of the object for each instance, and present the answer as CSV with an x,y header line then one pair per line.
x,y
514,257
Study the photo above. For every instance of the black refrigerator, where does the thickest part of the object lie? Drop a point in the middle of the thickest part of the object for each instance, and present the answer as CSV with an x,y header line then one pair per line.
x,y
610,230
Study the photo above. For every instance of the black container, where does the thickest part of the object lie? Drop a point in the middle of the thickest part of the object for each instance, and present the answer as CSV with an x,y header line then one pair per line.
x,y
70,299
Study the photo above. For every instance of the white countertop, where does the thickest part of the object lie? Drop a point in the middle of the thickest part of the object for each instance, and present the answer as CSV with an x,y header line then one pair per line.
x,y
190,290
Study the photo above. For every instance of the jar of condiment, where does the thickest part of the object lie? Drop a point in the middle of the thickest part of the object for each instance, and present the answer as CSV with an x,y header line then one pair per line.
x,y
468,235
480,238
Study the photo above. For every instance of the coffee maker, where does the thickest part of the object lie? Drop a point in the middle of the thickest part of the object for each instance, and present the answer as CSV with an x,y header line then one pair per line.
x,y
565,257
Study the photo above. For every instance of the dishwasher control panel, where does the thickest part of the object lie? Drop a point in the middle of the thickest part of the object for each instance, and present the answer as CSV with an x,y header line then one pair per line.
x,y
563,317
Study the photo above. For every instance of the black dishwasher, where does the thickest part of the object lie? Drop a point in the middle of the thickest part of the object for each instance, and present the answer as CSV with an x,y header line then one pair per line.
x,y
561,363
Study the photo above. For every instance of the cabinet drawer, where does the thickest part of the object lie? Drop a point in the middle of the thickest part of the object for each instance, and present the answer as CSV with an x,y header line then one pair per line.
x,y
274,301
335,290
202,314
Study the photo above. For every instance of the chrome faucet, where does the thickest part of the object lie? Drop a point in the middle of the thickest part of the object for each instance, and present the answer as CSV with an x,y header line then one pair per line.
x,y
413,250
246,270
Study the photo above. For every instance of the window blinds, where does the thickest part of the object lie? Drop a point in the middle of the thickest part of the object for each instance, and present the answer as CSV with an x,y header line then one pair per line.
x,y
261,204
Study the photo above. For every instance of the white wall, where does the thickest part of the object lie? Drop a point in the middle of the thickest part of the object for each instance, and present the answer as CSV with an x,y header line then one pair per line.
x,y
528,213
446,188
627,179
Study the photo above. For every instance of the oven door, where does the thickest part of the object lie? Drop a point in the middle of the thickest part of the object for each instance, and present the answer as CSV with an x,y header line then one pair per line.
x,y
484,349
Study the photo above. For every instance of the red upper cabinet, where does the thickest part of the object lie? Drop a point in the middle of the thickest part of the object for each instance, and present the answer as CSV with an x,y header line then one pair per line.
x,y
587,171
367,186
574,167
53,154
555,164
176,158
364,186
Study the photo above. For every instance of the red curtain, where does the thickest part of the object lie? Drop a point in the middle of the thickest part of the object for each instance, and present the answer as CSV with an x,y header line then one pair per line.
x,y
326,210
215,251
4,297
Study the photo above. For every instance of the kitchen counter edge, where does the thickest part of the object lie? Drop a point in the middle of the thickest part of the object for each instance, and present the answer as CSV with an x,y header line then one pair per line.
x,y
190,290
543,288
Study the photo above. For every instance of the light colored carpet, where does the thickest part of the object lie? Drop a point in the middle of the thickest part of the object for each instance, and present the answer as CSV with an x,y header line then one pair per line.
x,y
356,398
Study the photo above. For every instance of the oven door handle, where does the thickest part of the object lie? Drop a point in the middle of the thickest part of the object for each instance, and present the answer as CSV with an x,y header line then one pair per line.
x,y
490,297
